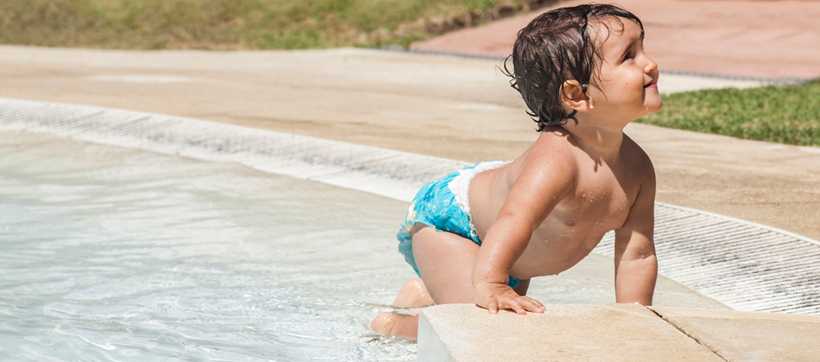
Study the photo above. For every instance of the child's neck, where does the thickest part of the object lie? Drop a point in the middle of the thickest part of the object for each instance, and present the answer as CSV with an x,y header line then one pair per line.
x,y
599,141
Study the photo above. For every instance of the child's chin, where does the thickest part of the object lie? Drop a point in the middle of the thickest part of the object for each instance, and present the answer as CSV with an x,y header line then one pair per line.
x,y
647,111
654,108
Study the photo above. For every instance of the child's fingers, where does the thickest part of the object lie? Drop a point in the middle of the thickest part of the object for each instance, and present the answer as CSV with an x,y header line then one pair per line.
x,y
532,305
538,303
492,306
516,306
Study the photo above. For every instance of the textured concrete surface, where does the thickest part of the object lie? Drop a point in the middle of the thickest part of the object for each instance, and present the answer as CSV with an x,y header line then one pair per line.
x,y
615,332
620,332
744,336
449,107
751,38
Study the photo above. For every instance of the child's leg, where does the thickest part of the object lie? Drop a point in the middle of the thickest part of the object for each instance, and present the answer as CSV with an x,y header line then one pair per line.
x,y
446,263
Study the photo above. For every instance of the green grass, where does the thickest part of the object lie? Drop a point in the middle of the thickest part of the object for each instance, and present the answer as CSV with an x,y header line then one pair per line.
x,y
231,24
785,114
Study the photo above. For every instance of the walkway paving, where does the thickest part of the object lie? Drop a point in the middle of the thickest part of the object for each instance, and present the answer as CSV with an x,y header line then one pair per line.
x,y
449,107
752,38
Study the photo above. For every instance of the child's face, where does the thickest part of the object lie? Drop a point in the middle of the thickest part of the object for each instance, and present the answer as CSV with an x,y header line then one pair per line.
x,y
627,82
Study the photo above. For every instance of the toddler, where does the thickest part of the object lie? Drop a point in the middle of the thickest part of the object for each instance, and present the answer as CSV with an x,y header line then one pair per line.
x,y
479,234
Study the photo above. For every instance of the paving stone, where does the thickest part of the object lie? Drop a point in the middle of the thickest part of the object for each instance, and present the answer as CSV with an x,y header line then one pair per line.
x,y
750,336
745,38
615,332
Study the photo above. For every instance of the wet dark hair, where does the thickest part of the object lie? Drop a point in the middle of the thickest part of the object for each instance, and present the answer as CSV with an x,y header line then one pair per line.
x,y
553,48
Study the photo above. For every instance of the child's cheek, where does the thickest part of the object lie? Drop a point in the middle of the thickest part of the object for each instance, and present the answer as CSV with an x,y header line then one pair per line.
x,y
627,91
635,86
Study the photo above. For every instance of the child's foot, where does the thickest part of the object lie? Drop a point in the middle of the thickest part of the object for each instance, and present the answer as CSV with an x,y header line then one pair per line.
x,y
413,294
394,324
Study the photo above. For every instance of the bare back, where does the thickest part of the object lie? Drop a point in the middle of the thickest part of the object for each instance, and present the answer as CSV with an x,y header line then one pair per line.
x,y
599,202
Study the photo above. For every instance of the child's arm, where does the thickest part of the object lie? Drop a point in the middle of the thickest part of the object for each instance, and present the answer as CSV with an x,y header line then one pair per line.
x,y
545,179
636,266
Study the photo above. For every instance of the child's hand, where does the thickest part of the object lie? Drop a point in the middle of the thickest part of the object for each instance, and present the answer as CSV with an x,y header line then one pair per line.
x,y
495,296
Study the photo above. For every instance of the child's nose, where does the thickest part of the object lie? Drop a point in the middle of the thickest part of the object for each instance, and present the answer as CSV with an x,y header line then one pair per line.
x,y
651,67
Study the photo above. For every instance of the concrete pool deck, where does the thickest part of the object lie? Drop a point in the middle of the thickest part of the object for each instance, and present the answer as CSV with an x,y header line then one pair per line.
x,y
450,107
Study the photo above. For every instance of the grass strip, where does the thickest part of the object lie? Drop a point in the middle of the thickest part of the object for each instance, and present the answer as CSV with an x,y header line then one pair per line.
x,y
242,24
777,113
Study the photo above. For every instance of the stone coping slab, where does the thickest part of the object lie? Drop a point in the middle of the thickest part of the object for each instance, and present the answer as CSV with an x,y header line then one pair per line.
x,y
620,332
614,332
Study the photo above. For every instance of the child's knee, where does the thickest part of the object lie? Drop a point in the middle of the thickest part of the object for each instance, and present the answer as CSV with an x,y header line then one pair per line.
x,y
413,294
416,286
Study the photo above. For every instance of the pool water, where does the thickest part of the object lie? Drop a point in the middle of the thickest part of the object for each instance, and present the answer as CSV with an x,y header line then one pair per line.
x,y
112,253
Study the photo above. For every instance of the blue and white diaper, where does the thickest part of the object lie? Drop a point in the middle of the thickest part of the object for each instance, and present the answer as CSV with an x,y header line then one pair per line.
x,y
444,205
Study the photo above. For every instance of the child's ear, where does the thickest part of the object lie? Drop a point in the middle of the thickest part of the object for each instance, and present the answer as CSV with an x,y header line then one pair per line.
x,y
573,96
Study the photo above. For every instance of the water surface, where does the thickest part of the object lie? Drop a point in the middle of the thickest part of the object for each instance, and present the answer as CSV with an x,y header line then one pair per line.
x,y
111,253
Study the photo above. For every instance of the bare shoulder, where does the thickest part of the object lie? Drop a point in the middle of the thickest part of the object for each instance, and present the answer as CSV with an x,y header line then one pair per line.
x,y
553,153
541,177
550,166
